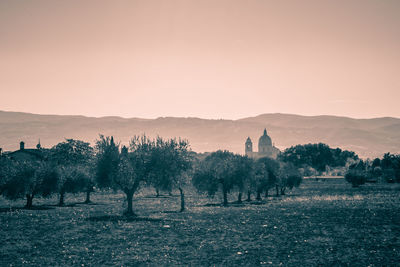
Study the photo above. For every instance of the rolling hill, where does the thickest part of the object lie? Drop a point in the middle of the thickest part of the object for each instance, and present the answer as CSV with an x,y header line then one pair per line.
x,y
367,137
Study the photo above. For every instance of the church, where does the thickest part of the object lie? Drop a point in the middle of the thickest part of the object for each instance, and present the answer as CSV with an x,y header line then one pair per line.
x,y
265,147
25,154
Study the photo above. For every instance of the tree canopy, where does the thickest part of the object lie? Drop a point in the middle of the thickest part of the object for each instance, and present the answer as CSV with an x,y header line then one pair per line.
x,y
28,179
317,156
221,169
74,161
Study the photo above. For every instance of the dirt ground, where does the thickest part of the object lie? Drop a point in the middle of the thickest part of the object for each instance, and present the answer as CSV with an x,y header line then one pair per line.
x,y
321,223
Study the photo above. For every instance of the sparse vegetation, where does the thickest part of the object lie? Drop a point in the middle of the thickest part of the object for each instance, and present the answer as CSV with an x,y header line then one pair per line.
x,y
329,222
386,169
258,227
224,171
159,163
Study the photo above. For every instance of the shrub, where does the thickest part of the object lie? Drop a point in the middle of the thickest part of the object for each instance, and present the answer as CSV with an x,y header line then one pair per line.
x,y
356,177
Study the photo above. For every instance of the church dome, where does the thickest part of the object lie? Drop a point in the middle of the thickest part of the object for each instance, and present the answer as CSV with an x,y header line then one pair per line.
x,y
264,141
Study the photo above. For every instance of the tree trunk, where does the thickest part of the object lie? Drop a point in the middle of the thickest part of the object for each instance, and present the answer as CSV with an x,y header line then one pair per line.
x,y
182,200
87,201
61,202
283,191
266,193
240,198
157,192
277,190
248,196
129,198
225,197
258,195
29,200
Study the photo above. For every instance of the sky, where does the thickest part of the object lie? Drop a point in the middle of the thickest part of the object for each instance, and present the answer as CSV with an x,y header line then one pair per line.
x,y
215,59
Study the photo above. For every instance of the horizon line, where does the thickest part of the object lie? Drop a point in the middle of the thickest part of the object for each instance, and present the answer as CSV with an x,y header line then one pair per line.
x,y
196,117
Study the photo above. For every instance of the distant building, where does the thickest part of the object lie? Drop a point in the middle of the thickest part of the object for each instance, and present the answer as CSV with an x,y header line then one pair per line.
x,y
26,153
265,147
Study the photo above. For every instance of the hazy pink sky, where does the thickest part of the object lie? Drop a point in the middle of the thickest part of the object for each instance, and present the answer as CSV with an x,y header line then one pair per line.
x,y
205,58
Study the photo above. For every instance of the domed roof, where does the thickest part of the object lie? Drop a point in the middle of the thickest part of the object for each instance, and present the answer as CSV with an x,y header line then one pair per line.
x,y
248,140
265,140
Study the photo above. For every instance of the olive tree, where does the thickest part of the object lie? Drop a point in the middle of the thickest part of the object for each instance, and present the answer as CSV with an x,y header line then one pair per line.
x,y
6,171
29,179
124,170
243,175
260,180
134,168
170,160
289,177
266,174
214,172
74,159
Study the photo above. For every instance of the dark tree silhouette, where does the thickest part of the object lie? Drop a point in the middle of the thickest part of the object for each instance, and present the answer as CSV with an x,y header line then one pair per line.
x,y
74,159
216,170
7,170
289,177
170,160
107,160
267,176
391,162
126,170
357,174
317,156
29,179
134,168
243,175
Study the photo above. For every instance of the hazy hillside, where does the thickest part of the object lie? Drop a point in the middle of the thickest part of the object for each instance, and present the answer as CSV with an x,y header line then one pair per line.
x,y
367,137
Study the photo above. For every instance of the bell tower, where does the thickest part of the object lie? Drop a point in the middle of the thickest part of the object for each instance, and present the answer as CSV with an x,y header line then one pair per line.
x,y
248,147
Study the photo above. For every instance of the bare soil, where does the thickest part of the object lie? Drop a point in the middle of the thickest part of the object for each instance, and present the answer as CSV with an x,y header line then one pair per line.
x,y
325,223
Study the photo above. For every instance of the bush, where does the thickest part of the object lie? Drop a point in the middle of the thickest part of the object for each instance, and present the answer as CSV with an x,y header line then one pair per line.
x,y
356,177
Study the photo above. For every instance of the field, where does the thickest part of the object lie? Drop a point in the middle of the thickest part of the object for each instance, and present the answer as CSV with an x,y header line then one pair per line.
x,y
320,223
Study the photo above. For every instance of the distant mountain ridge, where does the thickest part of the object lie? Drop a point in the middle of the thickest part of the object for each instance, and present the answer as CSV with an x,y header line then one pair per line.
x,y
367,137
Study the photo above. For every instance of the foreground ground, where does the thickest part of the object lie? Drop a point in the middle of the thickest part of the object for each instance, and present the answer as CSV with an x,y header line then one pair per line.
x,y
321,223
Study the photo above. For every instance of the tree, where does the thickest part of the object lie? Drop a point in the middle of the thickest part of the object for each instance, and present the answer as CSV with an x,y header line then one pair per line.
x,y
316,156
134,167
390,165
88,181
289,177
357,174
376,163
271,168
74,160
260,180
170,160
356,177
7,170
265,176
243,174
216,170
126,170
107,160
29,179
